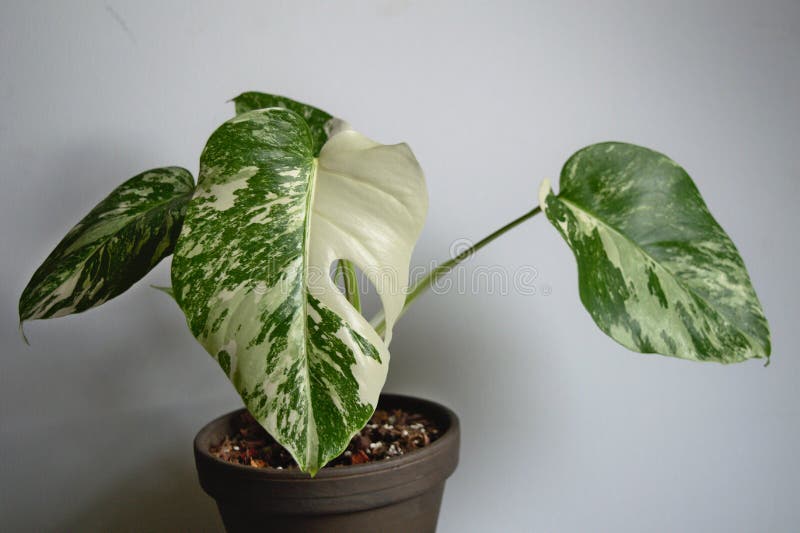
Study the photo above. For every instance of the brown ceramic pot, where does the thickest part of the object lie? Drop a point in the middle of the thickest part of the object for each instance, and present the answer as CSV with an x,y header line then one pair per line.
x,y
401,494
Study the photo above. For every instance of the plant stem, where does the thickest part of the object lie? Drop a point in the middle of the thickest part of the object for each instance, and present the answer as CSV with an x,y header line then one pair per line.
x,y
346,269
440,270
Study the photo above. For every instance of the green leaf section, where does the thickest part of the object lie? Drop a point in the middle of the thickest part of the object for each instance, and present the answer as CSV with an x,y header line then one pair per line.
x,y
317,120
656,272
114,246
251,271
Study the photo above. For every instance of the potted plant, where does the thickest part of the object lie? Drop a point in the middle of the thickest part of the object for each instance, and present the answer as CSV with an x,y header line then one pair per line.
x,y
285,194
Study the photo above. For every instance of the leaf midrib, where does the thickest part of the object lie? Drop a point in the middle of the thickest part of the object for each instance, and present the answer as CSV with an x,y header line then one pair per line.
x,y
644,252
306,240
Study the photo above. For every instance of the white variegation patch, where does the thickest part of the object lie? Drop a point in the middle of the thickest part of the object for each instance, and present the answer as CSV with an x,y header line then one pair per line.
x,y
223,194
382,190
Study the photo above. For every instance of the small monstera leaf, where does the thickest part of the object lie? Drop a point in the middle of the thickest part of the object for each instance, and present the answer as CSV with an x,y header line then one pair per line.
x,y
114,246
251,270
656,271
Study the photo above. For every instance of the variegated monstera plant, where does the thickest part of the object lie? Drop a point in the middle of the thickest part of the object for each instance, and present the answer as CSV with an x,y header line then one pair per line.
x,y
286,192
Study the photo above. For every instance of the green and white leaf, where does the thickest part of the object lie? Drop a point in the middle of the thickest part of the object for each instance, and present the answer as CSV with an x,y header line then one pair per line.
x,y
318,121
251,271
114,246
656,271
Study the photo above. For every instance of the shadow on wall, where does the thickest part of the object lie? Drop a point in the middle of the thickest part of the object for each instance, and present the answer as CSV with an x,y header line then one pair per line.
x,y
104,448
452,349
98,415
162,496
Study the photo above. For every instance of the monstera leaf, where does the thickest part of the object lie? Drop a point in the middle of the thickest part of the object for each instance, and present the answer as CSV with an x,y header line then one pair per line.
x,y
251,270
116,244
656,271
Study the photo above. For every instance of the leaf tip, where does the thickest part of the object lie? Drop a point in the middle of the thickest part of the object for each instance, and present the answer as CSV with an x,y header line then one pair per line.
x,y
235,98
166,290
22,333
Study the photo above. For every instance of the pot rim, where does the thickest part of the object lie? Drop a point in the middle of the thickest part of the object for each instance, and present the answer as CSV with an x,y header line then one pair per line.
x,y
441,445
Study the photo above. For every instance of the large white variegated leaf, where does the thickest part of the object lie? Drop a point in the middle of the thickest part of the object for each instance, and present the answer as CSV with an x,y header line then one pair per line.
x,y
116,244
251,271
656,271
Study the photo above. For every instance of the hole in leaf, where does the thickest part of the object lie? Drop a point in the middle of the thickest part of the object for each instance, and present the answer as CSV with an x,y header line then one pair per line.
x,y
368,297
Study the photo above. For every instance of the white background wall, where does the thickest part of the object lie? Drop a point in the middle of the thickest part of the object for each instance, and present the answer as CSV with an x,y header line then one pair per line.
x,y
563,429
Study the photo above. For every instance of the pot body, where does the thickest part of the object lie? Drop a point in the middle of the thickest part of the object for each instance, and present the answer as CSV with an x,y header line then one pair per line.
x,y
401,494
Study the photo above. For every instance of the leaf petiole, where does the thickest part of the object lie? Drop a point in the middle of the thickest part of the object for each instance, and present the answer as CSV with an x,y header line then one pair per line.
x,y
419,287
347,271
